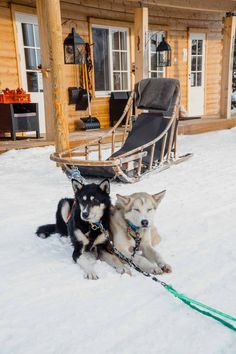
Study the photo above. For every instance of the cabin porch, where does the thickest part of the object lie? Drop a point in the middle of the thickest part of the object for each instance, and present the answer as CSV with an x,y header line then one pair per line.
x,y
186,127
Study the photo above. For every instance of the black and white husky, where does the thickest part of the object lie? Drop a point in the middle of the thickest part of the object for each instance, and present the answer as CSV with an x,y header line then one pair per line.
x,y
86,219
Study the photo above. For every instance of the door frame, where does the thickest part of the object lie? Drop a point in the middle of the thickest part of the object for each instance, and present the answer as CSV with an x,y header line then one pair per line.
x,y
26,10
29,14
192,30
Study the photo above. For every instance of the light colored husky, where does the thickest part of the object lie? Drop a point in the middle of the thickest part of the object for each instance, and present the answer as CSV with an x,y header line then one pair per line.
x,y
134,232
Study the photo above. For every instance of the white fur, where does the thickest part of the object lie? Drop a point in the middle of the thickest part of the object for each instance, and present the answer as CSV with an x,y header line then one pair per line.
x,y
114,262
65,211
87,262
80,236
150,260
95,212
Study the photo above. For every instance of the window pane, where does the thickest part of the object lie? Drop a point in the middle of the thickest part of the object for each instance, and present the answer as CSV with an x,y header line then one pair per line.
x,y
32,80
153,61
116,60
124,61
123,40
116,81
38,57
199,46
160,74
124,79
30,58
193,79
101,59
36,32
28,36
115,40
153,42
193,64
153,74
194,46
199,63
199,79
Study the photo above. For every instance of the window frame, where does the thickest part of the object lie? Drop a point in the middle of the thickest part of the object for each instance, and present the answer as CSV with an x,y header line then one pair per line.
x,y
107,93
161,69
35,48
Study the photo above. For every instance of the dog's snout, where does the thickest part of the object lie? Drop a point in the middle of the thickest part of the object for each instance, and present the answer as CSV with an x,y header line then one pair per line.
x,y
144,223
85,215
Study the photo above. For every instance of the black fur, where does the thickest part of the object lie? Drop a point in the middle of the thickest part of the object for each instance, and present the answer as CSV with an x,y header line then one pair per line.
x,y
60,227
75,222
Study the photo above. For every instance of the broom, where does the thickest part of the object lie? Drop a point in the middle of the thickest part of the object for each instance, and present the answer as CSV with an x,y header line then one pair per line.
x,y
88,122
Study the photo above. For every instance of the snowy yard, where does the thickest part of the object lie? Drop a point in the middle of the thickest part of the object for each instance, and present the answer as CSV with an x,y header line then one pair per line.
x,y
47,307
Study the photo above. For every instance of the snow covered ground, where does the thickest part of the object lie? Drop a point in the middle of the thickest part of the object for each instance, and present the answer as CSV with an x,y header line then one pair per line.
x,y
47,307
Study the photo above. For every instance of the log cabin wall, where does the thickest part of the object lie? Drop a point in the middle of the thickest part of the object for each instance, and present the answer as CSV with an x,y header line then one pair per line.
x,y
175,22
8,60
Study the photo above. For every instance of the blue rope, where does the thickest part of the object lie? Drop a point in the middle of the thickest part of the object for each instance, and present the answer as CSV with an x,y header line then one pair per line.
x,y
74,173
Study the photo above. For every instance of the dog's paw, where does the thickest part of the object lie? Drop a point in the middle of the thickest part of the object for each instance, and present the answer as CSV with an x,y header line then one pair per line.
x,y
154,270
123,270
157,270
166,268
42,235
91,276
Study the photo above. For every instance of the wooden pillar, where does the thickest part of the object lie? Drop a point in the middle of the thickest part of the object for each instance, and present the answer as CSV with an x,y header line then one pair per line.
x,y
227,65
50,29
141,38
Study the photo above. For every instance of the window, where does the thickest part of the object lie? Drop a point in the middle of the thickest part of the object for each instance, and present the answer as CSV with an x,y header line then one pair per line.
x,y
154,39
32,56
196,62
111,59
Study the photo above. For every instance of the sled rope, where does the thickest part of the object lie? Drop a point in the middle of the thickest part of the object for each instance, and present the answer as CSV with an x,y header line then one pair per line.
x,y
194,304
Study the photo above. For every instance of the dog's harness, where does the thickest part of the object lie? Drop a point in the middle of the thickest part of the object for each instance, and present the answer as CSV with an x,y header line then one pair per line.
x,y
133,231
94,226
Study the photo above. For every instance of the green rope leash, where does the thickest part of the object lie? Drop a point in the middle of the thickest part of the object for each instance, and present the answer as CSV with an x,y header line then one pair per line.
x,y
194,304
191,303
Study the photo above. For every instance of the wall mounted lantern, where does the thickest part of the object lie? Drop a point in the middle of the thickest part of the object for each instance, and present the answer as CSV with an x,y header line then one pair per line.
x,y
74,49
163,53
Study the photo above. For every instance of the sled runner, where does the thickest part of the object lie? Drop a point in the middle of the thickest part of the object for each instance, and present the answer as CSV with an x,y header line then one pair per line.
x,y
149,139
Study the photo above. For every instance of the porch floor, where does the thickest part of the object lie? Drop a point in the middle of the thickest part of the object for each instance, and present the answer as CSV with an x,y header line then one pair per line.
x,y
193,126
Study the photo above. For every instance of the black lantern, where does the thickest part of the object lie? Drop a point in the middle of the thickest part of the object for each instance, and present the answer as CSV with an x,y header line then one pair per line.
x,y
74,49
163,53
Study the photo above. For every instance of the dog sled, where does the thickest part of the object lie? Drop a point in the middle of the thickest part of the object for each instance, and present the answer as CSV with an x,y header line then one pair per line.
x,y
149,139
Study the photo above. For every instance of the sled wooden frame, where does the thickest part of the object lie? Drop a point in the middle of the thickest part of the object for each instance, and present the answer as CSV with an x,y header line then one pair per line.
x,y
127,167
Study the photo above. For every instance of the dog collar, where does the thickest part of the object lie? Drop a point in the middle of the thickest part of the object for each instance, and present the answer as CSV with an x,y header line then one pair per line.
x,y
96,225
132,226
136,236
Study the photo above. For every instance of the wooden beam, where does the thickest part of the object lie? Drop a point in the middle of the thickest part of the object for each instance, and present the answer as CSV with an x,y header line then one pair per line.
x,y
49,18
227,65
140,33
196,5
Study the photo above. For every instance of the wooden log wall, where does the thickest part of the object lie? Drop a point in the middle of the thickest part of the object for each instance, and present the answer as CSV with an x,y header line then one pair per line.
x,y
8,62
176,23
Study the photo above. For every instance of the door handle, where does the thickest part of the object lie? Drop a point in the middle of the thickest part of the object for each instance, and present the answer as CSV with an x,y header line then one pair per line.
x,y
44,71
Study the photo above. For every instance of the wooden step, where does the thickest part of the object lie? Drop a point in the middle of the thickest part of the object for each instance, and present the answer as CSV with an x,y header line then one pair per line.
x,y
198,126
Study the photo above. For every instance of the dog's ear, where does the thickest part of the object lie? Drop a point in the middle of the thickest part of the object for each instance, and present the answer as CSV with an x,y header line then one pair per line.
x,y
105,186
158,197
122,199
77,186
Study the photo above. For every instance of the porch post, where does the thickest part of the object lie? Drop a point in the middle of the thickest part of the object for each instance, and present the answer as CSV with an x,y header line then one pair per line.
x,y
227,64
50,29
141,53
